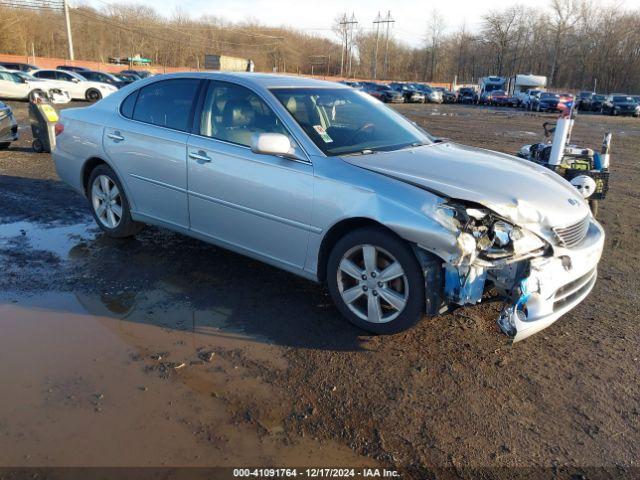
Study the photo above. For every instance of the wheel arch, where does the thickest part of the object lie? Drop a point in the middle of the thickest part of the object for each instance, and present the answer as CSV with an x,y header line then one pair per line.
x,y
336,232
87,167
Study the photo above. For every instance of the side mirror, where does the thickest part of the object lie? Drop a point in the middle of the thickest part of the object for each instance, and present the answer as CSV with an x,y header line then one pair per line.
x,y
75,80
273,144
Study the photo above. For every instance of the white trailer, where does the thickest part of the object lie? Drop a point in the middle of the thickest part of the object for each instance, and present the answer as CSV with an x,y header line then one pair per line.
x,y
521,84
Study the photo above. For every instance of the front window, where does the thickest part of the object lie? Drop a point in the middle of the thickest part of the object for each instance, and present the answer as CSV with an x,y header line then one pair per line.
x,y
233,113
342,121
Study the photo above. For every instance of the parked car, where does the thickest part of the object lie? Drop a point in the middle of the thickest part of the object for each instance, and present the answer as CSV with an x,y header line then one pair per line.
x,y
595,103
72,68
23,67
466,95
127,78
138,73
584,100
546,102
383,93
18,85
8,126
431,94
78,87
500,98
356,85
531,99
447,95
342,190
410,93
620,104
103,77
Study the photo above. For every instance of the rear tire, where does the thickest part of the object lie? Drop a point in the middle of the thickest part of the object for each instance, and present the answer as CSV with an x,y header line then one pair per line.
x,y
4,145
93,95
370,294
109,204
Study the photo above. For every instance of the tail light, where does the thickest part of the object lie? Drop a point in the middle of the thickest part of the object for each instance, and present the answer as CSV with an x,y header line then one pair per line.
x,y
58,129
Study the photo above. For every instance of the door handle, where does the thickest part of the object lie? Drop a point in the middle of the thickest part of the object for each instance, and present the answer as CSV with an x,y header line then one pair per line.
x,y
200,156
115,136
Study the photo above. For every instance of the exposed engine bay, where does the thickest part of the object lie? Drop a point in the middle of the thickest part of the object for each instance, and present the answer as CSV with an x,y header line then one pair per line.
x,y
522,268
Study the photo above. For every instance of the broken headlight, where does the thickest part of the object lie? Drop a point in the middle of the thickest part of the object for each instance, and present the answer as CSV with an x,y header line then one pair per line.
x,y
482,234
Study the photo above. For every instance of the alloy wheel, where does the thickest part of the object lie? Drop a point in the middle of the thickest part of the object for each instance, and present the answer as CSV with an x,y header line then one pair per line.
x,y
107,201
372,283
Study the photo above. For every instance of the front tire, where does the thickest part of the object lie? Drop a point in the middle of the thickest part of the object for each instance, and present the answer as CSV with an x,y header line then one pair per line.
x,y
35,93
376,281
109,204
593,205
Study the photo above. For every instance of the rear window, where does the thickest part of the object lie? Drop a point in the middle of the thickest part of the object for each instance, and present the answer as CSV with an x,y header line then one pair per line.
x,y
167,103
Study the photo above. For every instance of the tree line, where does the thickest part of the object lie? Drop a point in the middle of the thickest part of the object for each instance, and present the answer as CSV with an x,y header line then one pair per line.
x,y
576,43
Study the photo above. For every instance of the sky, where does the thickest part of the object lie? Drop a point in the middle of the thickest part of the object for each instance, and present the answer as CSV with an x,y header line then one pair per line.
x,y
411,16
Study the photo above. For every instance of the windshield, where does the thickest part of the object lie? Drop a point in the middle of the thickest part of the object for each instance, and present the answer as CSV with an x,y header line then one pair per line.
x,y
599,97
622,99
549,95
492,87
27,76
343,121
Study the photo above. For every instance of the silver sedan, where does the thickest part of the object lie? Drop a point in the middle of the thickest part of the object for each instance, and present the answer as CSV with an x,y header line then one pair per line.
x,y
328,183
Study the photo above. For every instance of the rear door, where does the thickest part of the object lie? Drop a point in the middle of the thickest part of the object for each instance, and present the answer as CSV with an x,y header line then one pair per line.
x,y
259,203
147,144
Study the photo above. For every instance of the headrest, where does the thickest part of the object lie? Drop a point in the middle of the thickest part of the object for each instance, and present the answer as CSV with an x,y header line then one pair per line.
x,y
238,113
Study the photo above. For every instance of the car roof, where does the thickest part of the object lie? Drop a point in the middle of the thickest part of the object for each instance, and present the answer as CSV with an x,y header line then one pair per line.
x,y
265,80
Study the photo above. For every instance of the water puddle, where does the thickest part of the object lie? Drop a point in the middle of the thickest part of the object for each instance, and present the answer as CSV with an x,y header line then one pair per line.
x,y
130,379
61,240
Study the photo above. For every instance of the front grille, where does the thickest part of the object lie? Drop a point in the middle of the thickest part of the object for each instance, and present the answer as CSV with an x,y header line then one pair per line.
x,y
573,234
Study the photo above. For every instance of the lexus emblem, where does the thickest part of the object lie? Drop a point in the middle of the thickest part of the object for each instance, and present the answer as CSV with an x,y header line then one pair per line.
x,y
572,201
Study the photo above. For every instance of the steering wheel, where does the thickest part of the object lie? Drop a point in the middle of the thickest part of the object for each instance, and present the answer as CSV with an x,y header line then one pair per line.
x,y
362,128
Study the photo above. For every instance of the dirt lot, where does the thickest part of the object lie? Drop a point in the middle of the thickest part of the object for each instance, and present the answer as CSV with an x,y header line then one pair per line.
x,y
165,351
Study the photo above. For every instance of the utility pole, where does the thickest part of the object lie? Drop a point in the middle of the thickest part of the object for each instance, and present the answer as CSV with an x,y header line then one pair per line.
x,y
347,30
352,23
374,69
69,38
388,20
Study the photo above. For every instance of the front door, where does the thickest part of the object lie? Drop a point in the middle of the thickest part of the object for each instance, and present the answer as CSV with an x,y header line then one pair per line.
x,y
259,204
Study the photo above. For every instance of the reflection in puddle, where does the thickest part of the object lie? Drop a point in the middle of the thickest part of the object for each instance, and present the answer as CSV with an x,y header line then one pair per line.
x,y
64,241
147,382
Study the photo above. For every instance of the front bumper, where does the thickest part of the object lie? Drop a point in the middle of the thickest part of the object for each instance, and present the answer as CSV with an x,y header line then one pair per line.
x,y
555,285
58,96
8,127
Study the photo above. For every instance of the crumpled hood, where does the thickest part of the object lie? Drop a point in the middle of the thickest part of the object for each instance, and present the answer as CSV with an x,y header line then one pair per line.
x,y
519,190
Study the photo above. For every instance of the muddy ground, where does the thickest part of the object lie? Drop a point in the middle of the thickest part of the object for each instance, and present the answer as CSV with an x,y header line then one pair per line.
x,y
166,351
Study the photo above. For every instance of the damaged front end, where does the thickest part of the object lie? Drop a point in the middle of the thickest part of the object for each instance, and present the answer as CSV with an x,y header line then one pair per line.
x,y
521,267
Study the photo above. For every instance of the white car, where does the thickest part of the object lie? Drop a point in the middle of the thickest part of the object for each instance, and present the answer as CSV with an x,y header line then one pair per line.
x,y
78,87
16,85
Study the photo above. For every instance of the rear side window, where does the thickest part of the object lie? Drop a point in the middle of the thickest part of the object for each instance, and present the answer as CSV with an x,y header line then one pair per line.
x,y
167,103
126,109
46,74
